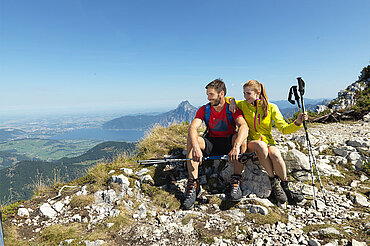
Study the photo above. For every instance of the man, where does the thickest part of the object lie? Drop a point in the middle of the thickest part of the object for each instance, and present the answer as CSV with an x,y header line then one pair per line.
x,y
221,139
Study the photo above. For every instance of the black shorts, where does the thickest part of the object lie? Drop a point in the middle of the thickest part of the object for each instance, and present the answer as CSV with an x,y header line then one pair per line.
x,y
217,146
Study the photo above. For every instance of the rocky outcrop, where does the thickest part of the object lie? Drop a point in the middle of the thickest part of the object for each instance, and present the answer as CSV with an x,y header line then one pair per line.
x,y
346,98
132,195
341,108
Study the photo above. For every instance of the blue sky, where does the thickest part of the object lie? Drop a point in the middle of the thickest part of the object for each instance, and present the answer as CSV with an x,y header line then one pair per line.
x,y
88,55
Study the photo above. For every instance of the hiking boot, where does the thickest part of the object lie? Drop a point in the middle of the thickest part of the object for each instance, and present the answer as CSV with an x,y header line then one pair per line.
x,y
235,191
293,197
277,191
191,193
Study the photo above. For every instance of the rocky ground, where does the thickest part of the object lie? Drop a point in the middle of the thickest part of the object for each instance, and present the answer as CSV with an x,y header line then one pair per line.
x,y
142,205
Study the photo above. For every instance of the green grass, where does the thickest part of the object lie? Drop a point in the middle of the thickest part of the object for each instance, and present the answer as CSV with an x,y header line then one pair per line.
x,y
48,150
10,209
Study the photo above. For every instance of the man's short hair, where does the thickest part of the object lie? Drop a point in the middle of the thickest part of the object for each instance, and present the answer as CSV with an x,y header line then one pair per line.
x,y
218,85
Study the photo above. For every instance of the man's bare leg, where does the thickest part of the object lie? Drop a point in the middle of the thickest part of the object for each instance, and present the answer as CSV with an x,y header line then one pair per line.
x,y
193,166
238,166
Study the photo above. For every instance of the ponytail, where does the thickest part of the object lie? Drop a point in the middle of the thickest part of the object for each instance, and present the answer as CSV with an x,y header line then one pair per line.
x,y
264,101
260,88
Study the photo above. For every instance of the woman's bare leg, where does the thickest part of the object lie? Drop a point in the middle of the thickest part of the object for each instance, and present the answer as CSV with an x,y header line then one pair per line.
x,y
261,149
277,162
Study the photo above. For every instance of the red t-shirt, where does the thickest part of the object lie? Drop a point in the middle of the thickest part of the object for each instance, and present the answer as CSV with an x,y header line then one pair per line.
x,y
219,126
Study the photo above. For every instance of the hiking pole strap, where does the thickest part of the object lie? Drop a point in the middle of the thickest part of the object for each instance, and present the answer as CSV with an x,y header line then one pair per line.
x,y
291,91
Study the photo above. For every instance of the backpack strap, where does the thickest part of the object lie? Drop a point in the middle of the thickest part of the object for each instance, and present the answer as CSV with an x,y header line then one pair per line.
x,y
229,115
207,114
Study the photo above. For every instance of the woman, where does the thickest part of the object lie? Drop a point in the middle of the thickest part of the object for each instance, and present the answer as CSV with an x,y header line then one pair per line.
x,y
259,114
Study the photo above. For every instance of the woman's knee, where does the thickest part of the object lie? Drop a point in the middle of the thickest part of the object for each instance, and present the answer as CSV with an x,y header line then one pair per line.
x,y
274,153
259,147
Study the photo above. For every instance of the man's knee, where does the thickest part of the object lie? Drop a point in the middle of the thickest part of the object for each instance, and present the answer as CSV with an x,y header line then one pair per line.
x,y
201,143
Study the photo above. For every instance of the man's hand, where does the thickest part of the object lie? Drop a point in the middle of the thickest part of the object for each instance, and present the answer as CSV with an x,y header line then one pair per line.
x,y
232,106
234,154
197,155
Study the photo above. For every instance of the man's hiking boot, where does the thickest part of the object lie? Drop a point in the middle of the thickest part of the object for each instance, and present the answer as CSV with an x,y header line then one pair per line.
x,y
277,191
191,194
293,197
235,191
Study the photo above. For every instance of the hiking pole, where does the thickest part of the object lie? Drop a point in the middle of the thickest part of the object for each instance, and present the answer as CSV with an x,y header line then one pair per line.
x,y
301,87
293,90
311,157
1,231
243,158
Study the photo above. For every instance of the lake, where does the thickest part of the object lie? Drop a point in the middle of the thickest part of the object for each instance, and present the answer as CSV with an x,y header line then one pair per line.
x,y
102,134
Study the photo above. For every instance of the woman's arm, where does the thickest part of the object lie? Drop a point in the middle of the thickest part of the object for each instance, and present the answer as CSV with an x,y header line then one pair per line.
x,y
281,124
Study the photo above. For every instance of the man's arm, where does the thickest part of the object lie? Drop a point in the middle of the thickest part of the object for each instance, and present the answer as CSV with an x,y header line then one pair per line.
x,y
197,153
242,136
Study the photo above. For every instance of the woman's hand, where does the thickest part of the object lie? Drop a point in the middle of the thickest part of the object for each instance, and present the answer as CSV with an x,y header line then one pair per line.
x,y
232,106
301,117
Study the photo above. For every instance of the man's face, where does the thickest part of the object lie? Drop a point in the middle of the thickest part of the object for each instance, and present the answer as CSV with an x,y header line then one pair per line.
x,y
214,97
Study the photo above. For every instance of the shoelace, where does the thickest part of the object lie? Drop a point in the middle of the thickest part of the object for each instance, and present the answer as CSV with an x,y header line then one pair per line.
x,y
234,184
277,187
189,188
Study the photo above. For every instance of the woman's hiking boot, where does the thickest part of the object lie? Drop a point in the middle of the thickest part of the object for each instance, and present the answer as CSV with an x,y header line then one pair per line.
x,y
235,191
293,197
191,193
277,191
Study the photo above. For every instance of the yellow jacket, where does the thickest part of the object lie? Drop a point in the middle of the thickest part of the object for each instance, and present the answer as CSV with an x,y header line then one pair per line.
x,y
259,128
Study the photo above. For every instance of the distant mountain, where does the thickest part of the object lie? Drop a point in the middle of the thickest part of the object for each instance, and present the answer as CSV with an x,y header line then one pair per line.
x,y
287,109
184,112
286,104
17,180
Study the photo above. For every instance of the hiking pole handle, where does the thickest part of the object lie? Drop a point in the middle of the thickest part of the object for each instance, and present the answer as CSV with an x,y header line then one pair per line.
x,y
301,86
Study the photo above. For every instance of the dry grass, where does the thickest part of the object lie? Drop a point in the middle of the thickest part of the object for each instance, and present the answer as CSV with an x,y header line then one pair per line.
x,y
55,234
11,236
41,185
161,197
161,140
97,176
81,201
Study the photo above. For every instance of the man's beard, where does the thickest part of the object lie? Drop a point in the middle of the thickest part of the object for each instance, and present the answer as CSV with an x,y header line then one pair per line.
x,y
216,102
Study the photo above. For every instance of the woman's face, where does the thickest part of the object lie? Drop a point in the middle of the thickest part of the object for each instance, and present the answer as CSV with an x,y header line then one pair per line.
x,y
250,95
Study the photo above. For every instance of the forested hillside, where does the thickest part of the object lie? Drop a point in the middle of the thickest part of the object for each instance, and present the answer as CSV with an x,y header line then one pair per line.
x,y
19,180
